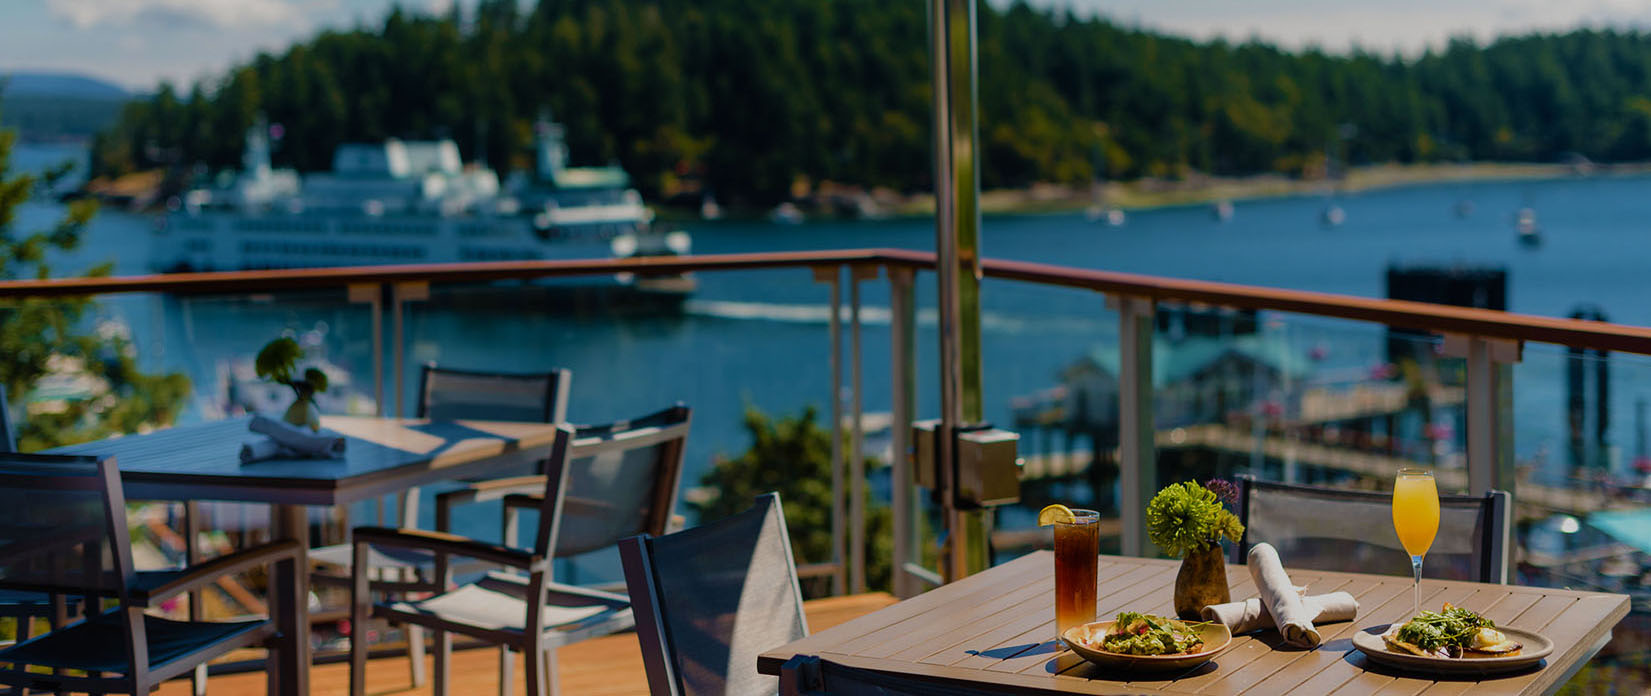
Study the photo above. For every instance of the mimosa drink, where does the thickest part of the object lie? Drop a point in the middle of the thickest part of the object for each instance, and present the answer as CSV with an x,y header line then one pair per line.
x,y
1415,512
1416,518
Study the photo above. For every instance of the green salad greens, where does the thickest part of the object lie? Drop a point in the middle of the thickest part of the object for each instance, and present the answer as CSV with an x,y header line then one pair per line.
x,y
1454,627
1145,634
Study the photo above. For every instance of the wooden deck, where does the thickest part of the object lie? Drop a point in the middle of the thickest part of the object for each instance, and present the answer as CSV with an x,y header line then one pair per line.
x,y
608,666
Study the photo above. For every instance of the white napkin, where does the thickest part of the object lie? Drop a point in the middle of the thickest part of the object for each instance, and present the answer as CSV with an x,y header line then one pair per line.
x,y
1282,600
303,442
260,448
1251,615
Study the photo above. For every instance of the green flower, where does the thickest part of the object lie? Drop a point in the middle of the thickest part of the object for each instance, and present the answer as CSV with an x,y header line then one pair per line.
x,y
277,360
1186,517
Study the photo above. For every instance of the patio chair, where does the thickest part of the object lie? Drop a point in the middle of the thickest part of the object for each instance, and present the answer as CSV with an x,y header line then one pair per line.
x,y
709,599
449,394
622,481
25,607
530,614
66,534
810,675
1352,531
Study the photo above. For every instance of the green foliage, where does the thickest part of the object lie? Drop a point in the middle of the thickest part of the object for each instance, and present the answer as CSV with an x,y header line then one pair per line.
x,y
1187,516
792,455
752,97
278,359
63,338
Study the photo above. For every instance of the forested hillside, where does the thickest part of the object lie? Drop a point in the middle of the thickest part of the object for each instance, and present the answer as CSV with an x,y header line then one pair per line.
x,y
751,96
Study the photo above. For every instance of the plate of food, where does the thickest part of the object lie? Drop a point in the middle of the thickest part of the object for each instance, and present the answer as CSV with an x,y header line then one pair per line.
x,y
1137,641
1453,640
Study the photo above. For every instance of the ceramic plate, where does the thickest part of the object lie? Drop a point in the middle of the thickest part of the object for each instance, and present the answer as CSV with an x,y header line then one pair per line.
x,y
1369,641
1216,640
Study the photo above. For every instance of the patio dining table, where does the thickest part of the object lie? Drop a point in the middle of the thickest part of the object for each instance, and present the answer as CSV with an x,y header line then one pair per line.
x,y
994,631
201,462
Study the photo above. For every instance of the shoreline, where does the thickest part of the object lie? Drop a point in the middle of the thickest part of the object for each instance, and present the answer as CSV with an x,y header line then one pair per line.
x,y
1148,194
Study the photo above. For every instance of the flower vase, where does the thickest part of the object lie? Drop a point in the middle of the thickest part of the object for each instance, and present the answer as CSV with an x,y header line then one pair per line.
x,y
1201,582
303,413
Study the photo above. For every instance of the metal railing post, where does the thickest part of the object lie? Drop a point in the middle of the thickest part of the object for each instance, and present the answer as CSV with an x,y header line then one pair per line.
x,y
1489,408
373,294
902,395
1137,446
400,295
833,275
1489,418
958,264
857,459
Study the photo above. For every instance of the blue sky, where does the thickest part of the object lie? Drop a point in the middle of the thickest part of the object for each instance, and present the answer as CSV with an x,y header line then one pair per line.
x,y
138,42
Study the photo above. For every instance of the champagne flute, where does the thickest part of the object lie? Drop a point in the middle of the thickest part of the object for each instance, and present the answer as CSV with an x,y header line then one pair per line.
x,y
1416,518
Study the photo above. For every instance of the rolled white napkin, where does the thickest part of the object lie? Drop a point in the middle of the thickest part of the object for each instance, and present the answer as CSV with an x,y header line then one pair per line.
x,y
324,444
1251,615
258,449
1282,600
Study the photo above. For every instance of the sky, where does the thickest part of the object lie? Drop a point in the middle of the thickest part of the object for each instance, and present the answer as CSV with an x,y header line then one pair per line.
x,y
137,43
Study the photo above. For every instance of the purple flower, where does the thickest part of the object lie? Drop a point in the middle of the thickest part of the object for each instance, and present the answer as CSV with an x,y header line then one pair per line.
x,y
1223,489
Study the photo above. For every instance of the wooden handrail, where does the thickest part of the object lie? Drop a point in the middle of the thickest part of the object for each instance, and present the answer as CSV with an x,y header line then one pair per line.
x,y
310,278
1401,313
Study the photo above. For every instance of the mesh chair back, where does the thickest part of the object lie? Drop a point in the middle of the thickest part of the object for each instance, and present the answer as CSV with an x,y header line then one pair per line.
x,y
64,530
447,394
622,480
708,600
1352,531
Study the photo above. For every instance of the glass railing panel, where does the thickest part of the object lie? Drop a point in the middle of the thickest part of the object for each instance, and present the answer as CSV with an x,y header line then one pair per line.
x,y
1307,400
1048,377
748,351
1583,493
137,362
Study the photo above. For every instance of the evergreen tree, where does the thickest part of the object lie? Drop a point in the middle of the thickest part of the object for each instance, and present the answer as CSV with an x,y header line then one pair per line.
x,y
61,337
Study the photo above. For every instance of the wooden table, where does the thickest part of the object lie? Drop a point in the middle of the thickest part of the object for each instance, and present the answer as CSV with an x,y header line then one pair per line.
x,y
202,462
996,630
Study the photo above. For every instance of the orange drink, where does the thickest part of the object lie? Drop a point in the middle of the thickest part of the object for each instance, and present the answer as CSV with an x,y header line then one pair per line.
x,y
1416,518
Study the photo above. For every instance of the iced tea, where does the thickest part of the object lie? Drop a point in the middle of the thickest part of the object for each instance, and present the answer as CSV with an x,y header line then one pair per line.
x,y
1077,549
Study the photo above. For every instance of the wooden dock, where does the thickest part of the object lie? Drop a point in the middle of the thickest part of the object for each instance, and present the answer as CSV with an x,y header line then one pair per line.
x,y
608,666
1531,497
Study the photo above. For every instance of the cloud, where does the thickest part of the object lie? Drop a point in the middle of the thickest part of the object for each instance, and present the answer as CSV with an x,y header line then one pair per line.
x,y
84,14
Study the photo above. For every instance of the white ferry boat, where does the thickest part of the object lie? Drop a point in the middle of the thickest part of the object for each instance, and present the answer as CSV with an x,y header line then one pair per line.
x,y
402,202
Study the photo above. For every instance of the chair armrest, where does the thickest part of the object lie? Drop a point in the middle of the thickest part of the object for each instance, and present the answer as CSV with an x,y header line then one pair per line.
x,y
203,573
449,544
570,504
483,491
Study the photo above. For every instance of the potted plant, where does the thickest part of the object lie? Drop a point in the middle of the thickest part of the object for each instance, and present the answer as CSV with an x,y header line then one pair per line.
x,y
1188,520
277,362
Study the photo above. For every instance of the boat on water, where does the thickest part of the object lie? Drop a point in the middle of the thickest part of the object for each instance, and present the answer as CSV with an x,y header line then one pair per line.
x,y
404,202
1530,233
1332,216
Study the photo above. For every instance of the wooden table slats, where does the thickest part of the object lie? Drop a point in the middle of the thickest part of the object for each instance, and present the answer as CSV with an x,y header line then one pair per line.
x,y
996,629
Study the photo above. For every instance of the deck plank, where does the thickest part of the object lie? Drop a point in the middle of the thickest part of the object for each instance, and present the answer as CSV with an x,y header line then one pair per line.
x,y
608,666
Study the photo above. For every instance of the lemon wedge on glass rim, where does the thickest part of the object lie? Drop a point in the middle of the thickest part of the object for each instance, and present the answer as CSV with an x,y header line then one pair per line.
x,y
1055,514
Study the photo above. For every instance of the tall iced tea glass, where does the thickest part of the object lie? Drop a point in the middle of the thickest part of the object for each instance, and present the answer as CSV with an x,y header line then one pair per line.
x,y
1077,549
